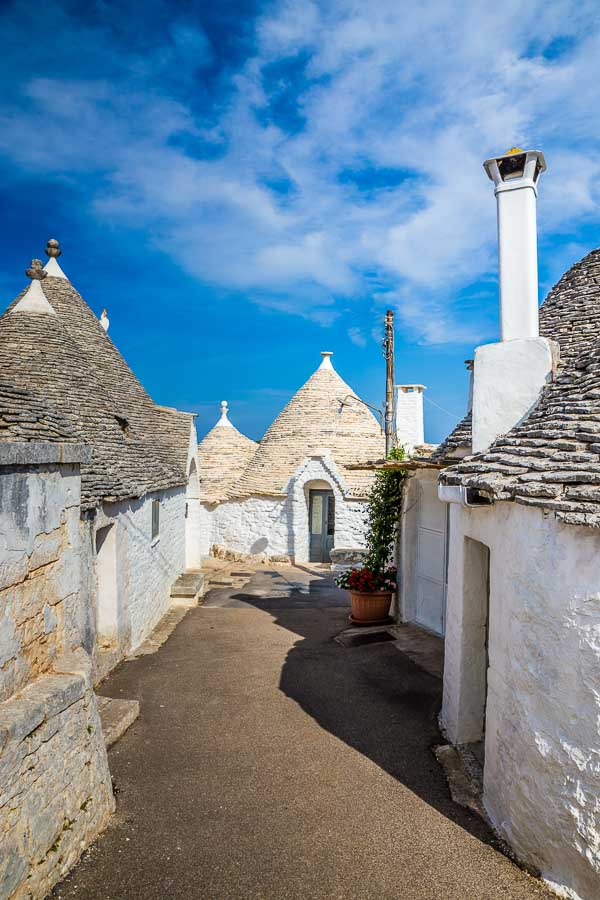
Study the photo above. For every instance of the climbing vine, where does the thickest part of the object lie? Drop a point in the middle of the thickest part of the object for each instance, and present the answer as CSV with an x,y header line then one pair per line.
x,y
383,515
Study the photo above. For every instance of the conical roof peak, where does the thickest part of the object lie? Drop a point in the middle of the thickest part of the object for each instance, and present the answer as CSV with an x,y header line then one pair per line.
x,y
224,452
324,412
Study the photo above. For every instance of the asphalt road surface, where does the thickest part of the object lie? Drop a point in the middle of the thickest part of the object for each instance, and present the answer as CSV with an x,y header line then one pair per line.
x,y
271,762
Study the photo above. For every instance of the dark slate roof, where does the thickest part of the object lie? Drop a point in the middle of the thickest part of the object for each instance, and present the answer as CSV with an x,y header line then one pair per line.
x,y
69,360
552,460
24,416
457,443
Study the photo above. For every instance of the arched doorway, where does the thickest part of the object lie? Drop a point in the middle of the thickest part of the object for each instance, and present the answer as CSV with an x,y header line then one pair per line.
x,y
321,524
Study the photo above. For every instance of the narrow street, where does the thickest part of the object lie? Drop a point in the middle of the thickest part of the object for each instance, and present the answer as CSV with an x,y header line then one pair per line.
x,y
269,761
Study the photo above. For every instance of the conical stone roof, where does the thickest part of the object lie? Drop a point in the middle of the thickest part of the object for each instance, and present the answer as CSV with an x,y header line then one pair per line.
x,y
324,416
224,453
52,344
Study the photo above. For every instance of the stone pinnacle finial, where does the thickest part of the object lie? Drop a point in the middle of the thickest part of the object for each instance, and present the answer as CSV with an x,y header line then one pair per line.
x,y
224,420
35,270
53,248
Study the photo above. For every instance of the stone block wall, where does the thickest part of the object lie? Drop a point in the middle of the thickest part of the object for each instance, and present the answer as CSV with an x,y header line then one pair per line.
x,y
55,791
39,570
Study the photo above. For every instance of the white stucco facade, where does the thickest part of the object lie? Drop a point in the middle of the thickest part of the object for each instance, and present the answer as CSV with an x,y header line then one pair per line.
x,y
144,567
279,526
421,553
537,686
508,379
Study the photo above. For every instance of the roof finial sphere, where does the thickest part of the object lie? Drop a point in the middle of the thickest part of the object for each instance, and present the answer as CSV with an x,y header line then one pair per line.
x,y
224,406
53,248
36,271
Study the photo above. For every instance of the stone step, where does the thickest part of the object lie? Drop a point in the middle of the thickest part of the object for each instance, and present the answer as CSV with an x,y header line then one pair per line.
x,y
116,716
188,589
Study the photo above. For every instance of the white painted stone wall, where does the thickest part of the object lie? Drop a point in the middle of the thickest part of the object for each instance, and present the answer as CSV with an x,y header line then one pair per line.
x,y
55,790
146,568
542,739
253,525
279,525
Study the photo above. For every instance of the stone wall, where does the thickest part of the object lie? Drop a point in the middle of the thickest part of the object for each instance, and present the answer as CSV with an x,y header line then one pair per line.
x,y
145,568
279,526
39,570
542,715
253,525
55,791
55,788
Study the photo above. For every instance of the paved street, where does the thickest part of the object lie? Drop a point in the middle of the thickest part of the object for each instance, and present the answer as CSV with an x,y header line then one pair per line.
x,y
271,762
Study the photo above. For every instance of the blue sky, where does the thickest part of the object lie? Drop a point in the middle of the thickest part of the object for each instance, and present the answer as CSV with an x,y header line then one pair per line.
x,y
244,184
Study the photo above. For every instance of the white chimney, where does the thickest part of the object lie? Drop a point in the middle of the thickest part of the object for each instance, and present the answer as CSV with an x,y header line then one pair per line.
x,y
515,178
509,376
409,415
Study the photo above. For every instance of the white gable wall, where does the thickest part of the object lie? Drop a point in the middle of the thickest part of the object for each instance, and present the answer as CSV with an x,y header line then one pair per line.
x,y
542,741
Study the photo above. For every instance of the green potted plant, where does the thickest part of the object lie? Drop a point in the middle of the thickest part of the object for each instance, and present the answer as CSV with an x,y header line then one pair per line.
x,y
372,586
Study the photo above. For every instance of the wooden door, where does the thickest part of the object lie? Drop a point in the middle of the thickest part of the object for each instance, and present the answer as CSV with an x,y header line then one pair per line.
x,y
321,523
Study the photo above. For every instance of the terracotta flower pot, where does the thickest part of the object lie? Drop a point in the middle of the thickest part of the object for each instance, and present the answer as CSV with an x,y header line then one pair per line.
x,y
370,607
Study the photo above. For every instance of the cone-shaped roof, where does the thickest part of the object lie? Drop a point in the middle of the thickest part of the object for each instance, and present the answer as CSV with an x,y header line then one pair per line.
x,y
52,343
325,415
224,453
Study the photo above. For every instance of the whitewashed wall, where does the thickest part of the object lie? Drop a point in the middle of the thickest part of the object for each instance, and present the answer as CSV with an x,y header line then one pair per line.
x,y
542,741
253,525
146,569
421,552
279,526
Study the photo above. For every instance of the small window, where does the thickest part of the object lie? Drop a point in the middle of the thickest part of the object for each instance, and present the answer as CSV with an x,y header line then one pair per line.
x,y
155,518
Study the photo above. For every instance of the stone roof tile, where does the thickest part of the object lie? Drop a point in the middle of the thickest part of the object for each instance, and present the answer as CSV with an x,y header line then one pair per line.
x,y
324,415
69,360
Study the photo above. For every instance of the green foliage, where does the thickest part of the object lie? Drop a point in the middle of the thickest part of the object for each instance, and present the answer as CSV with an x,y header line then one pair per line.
x,y
383,515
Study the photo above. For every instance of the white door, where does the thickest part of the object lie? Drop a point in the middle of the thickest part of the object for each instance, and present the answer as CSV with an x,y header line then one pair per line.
x,y
431,559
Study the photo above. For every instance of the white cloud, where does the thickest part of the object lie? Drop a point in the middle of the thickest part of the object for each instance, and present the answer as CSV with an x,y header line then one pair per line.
x,y
429,95
357,337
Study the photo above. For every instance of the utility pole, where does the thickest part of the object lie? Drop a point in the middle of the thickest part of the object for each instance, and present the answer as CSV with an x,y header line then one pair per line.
x,y
388,355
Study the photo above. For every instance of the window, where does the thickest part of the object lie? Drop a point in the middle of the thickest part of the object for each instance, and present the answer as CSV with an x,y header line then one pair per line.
x,y
155,518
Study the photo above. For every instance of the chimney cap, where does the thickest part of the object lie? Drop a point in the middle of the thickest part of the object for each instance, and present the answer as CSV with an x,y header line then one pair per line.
x,y
515,165
409,388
